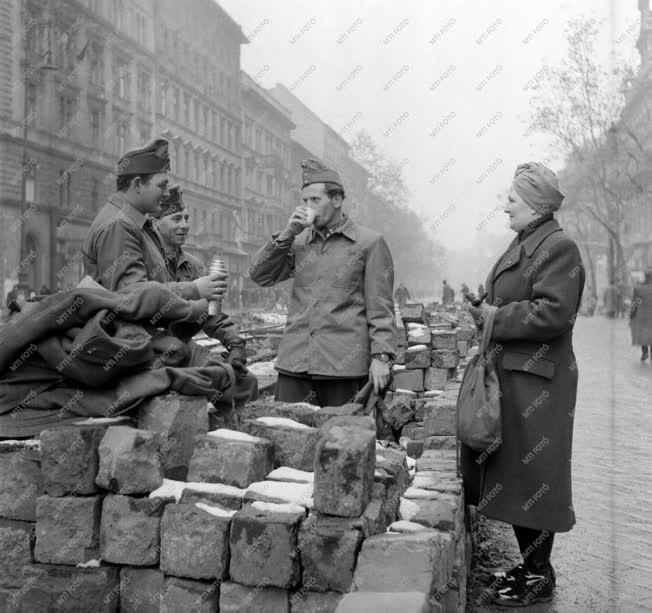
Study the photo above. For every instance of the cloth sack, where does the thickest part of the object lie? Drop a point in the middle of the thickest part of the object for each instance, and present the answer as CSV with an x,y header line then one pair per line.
x,y
479,416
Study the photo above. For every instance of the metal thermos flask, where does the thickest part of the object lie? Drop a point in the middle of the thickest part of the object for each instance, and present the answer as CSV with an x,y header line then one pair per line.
x,y
217,266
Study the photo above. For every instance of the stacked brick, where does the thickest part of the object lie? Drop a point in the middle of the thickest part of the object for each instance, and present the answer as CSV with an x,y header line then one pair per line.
x,y
421,407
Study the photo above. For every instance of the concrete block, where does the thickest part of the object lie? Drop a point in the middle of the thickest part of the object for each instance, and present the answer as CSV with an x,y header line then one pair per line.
x,y
435,378
440,417
305,601
376,517
195,542
67,529
235,598
349,409
437,460
129,461
291,475
445,358
293,442
399,410
303,412
279,492
414,449
417,356
445,483
344,470
399,358
440,512
130,530
466,333
179,419
419,408
70,460
463,348
408,379
420,562
234,458
355,421
414,313
384,602
418,334
329,550
440,442
16,544
21,482
50,587
225,496
264,547
444,339
189,595
141,590
414,431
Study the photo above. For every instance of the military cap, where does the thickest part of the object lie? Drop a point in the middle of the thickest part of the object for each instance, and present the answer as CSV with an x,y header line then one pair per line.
x,y
172,202
313,171
150,159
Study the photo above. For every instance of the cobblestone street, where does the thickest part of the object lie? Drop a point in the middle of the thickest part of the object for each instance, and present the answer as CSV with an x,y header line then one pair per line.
x,y
605,562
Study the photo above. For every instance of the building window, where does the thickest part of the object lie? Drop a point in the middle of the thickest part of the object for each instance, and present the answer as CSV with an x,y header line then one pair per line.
x,y
96,127
214,127
95,194
144,91
30,103
30,184
186,109
196,116
120,78
163,97
66,112
65,46
122,135
174,111
96,65
64,189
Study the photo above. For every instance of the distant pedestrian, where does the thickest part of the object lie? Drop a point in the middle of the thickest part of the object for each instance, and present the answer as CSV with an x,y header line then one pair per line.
x,y
447,294
480,290
641,315
536,290
611,300
401,295
12,295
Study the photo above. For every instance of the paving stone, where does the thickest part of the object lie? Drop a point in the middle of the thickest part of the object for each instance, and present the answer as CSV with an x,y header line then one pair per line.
x,y
444,339
235,598
440,442
409,379
293,442
445,358
465,333
329,549
280,492
305,601
130,530
227,496
414,431
399,358
440,512
179,419
195,542
291,475
414,313
344,470
399,410
444,482
418,334
70,460
21,482
302,412
417,356
420,562
264,548
403,526
414,448
141,590
463,348
442,325
16,543
349,409
376,517
435,378
51,587
440,416
129,460
384,602
181,595
419,408
234,458
356,421
67,529
438,460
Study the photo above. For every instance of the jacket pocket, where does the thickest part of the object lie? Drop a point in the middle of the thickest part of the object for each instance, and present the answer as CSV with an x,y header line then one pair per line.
x,y
528,363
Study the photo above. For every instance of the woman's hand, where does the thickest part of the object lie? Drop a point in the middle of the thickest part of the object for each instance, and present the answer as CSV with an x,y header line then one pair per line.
x,y
479,313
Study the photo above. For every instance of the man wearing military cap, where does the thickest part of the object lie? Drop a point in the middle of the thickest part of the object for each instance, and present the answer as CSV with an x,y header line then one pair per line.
x,y
183,267
122,246
341,329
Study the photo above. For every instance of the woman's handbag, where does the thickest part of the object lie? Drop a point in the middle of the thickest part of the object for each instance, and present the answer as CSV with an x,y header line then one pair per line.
x,y
479,416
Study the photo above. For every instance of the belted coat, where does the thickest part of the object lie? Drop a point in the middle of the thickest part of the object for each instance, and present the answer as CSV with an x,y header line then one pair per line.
x,y
537,286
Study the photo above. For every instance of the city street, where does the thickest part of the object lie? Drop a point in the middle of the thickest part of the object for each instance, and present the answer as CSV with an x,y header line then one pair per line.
x,y
605,562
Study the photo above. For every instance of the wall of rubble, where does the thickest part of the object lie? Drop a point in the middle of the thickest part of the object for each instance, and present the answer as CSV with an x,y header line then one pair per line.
x,y
299,509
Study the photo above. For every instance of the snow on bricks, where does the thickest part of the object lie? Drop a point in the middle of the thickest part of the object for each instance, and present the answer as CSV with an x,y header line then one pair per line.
x,y
263,547
414,313
130,461
179,419
345,461
234,458
417,356
21,482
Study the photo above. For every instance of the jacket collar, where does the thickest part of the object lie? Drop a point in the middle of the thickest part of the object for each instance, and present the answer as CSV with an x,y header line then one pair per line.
x,y
532,242
348,229
119,201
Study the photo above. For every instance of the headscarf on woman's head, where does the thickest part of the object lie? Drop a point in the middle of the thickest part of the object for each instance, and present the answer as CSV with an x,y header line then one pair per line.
x,y
538,186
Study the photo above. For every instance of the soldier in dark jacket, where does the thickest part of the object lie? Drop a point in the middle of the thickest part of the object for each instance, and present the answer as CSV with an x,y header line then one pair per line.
x,y
525,480
183,267
641,315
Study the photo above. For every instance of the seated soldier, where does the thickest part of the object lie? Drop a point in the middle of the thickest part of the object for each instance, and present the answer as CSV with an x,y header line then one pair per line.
x,y
183,267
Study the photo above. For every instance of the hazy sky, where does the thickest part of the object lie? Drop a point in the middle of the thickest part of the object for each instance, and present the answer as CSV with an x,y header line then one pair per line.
x,y
424,78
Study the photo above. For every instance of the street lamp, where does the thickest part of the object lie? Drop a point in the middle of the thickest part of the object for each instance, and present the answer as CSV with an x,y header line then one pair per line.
x,y
47,65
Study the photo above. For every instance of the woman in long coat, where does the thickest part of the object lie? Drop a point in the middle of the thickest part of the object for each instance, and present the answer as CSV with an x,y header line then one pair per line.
x,y
641,315
537,287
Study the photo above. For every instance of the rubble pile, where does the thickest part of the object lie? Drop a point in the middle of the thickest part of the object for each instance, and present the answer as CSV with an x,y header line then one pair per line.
x,y
434,347
300,509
